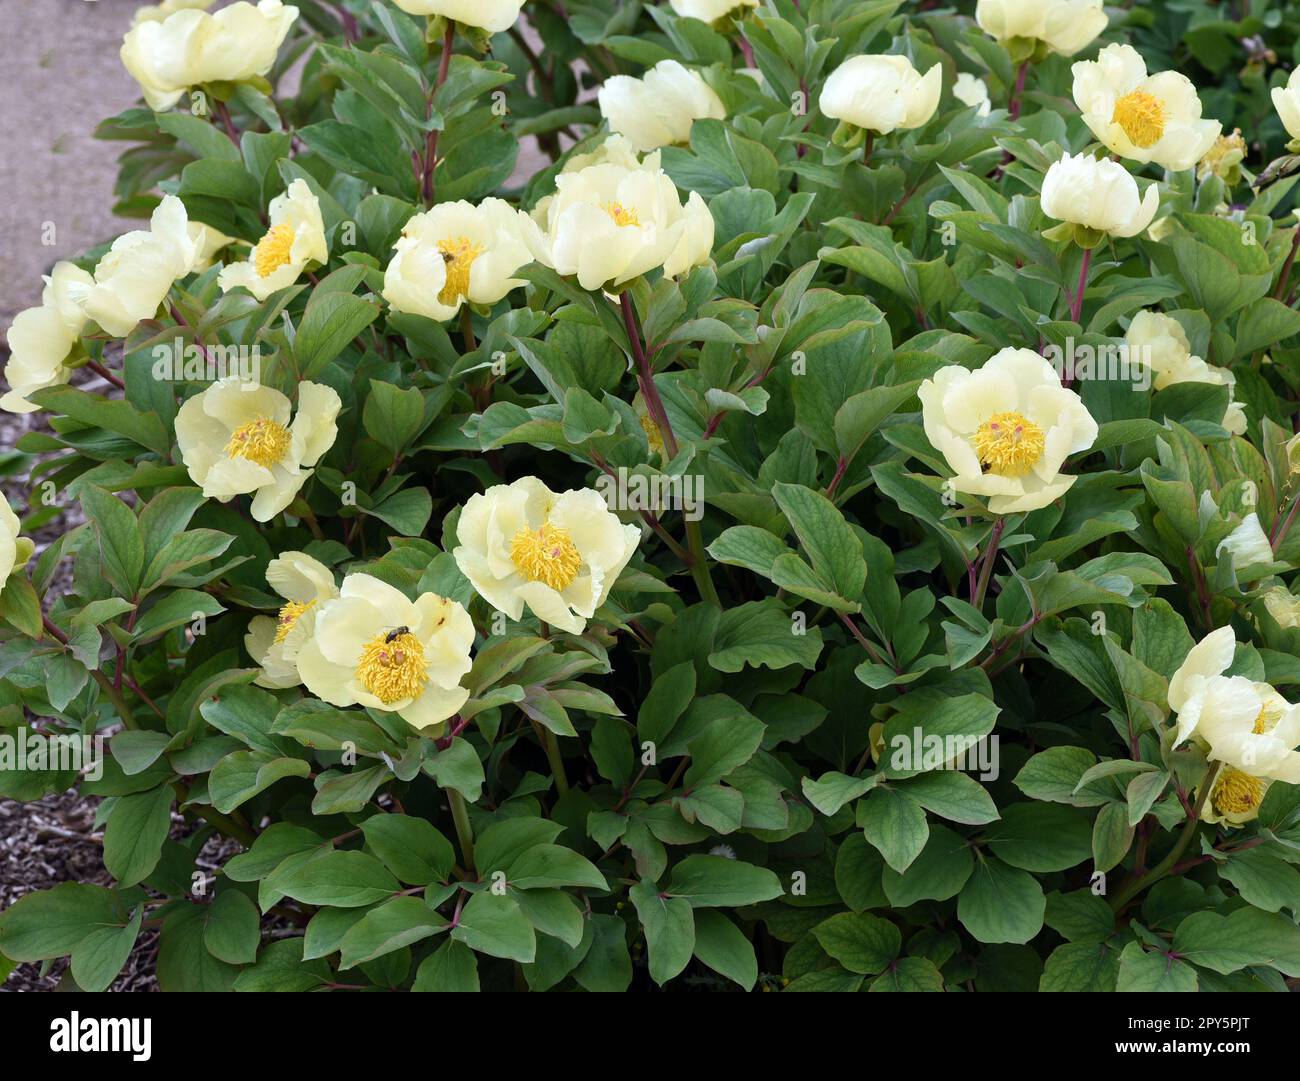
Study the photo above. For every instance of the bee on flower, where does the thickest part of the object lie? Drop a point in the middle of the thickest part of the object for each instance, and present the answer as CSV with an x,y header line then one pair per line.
x,y
294,242
236,438
373,646
305,584
558,553
459,253
1006,429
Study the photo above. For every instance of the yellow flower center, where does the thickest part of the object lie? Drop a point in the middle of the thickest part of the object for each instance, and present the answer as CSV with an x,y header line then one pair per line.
x,y
622,215
289,615
1237,793
263,441
392,667
1142,117
546,555
272,251
652,434
1009,444
459,256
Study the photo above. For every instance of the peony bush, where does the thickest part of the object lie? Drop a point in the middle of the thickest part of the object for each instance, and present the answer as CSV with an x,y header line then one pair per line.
x,y
701,496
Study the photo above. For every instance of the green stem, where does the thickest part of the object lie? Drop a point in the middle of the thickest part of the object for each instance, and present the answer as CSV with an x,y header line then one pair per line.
x,y
986,568
552,749
1127,893
464,834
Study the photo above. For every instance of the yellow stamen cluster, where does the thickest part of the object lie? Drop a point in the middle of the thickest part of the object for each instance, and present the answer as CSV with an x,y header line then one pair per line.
x,y
263,441
289,615
394,669
546,555
622,215
458,255
1142,117
1237,793
1009,443
273,250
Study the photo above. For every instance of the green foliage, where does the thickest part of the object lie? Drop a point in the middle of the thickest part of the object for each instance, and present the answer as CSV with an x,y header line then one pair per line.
x,y
703,787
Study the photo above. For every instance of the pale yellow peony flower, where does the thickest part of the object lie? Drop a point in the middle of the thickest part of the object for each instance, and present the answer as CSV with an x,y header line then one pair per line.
x,y
1243,724
659,108
1063,26
40,339
15,551
970,90
1235,798
373,647
1006,429
459,252
156,13
881,93
1098,195
1247,544
305,584
235,438
1286,100
495,16
558,553
1142,117
1159,342
295,241
1283,607
192,47
709,11
136,274
609,222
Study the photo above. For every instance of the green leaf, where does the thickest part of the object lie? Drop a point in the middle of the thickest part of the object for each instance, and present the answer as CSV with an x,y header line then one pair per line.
x,y
232,931
51,923
133,838
410,847
118,533
669,930
1001,903
344,879
1227,944
719,882
332,319
493,924
99,957
1152,970
860,942
400,922
831,544
895,824
451,967
722,946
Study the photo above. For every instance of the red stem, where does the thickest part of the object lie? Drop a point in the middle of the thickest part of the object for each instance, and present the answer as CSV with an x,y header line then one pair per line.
x,y
431,142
